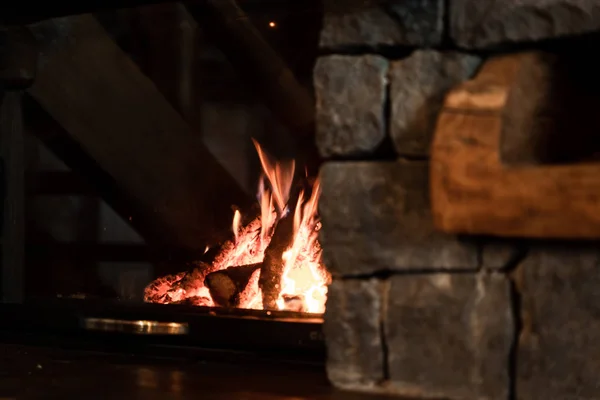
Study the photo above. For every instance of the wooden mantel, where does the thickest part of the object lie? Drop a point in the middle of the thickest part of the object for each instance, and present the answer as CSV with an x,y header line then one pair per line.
x,y
473,192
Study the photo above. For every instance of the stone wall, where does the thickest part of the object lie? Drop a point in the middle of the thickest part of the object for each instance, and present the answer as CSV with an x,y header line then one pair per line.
x,y
412,311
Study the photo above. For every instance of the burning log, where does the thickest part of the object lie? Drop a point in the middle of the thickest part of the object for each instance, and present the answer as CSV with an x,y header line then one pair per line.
x,y
226,286
273,264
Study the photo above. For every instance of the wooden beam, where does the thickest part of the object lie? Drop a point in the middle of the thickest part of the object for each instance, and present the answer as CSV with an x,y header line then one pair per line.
x,y
472,192
117,115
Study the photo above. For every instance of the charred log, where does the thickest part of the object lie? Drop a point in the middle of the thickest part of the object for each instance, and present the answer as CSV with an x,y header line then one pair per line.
x,y
225,286
273,264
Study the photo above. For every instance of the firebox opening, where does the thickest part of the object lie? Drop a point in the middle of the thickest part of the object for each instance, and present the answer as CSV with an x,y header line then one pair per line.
x,y
272,262
167,163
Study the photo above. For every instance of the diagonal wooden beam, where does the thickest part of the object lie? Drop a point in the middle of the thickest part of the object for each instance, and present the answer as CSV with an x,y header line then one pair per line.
x,y
118,117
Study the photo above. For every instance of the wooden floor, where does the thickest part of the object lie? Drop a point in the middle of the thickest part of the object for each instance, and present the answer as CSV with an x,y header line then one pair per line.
x,y
41,373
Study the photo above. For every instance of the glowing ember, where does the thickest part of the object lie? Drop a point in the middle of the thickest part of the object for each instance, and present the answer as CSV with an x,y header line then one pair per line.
x,y
304,278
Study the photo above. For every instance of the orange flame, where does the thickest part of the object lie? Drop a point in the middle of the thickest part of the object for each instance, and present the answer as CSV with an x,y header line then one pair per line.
x,y
304,279
237,219
280,176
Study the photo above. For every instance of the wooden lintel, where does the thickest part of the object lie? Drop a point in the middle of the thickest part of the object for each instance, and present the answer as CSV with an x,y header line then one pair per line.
x,y
472,192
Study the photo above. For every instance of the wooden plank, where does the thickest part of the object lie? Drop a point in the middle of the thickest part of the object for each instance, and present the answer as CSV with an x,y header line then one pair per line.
x,y
12,148
121,120
472,192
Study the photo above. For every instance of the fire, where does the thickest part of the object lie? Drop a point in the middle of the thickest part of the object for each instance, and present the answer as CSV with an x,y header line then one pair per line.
x,y
303,280
237,218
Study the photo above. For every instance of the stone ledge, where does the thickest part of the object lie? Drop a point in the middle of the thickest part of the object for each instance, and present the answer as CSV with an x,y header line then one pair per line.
x,y
351,93
376,23
376,216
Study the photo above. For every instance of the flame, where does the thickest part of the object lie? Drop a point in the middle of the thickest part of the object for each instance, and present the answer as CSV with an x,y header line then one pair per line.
x,y
237,219
304,279
267,214
304,276
280,176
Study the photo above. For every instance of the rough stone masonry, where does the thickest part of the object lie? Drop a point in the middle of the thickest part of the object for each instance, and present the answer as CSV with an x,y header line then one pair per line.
x,y
415,312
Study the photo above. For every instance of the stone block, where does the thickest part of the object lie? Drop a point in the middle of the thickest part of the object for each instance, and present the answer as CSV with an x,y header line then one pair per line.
x,y
559,351
352,331
376,216
499,254
376,23
450,335
418,85
480,24
350,92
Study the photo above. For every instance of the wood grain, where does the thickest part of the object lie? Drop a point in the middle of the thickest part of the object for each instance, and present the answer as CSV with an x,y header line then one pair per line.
x,y
118,116
472,192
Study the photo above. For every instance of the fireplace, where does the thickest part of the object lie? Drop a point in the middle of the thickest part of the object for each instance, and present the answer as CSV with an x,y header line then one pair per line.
x,y
447,227
161,181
